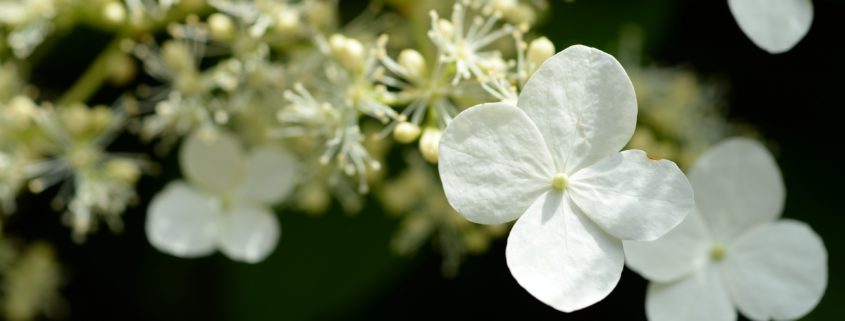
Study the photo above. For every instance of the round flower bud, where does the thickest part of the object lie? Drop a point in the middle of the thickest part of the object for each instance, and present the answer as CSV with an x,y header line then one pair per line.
x,y
287,20
348,51
20,110
430,144
114,13
122,170
122,69
445,28
177,56
406,132
221,26
538,51
413,62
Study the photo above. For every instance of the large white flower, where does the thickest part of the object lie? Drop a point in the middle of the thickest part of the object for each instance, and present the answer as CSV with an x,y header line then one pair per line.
x,y
773,25
226,203
554,163
733,252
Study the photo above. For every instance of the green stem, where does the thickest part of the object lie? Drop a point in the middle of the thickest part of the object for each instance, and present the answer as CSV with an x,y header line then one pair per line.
x,y
93,78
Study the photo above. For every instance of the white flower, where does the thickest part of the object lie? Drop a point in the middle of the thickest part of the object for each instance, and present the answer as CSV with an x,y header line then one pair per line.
x,y
733,252
773,25
227,203
554,163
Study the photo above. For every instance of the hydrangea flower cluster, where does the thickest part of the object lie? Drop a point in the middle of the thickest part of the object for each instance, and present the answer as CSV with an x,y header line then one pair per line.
x,y
273,106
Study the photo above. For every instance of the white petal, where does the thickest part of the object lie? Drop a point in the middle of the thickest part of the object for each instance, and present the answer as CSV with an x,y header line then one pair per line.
x,y
737,185
776,271
583,102
249,233
493,163
773,25
676,254
699,297
633,197
270,175
212,161
182,221
559,256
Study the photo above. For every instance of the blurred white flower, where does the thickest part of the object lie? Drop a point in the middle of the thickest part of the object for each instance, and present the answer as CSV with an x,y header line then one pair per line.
x,y
733,252
466,48
773,25
554,163
226,202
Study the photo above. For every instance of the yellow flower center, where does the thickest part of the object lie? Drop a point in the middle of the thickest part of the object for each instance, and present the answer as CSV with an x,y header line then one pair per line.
x,y
717,252
560,181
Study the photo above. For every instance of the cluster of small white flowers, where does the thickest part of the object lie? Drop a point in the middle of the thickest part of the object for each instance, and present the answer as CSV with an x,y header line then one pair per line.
x,y
30,21
266,99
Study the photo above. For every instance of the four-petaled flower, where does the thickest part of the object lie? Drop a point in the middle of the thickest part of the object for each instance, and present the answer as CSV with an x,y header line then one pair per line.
x,y
733,251
555,163
773,25
227,203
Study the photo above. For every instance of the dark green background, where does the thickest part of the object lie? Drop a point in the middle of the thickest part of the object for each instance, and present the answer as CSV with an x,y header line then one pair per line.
x,y
338,267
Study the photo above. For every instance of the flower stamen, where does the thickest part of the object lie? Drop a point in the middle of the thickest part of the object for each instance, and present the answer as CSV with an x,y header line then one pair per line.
x,y
717,252
559,182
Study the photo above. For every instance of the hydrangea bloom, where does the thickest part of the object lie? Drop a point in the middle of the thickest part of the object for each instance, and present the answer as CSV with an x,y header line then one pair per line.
x,y
554,163
226,202
773,25
733,252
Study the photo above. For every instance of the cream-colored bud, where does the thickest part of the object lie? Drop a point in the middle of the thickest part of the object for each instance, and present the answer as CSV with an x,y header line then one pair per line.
x,y
445,28
177,56
76,119
504,6
406,132
101,118
123,170
413,62
348,51
337,42
287,20
114,13
538,51
430,144
20,109
122,69
221,26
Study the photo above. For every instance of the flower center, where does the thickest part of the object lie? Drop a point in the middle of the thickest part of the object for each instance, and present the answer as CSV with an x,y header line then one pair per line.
x,y
560,181
717,252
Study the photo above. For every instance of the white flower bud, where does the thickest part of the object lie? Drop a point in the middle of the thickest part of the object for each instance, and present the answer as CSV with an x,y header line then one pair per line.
x,y
20,109
114,13
287,21
445,28
430,144
76,119
123,170
177,56
221,26
413,62
406,132
538,51
122,69
348,51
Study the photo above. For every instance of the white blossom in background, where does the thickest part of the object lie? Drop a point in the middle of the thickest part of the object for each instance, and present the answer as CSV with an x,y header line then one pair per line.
x,y
554,162
466,48
773,25
30,22
733,252
225,203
